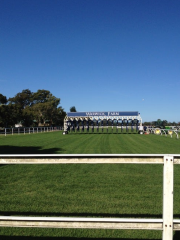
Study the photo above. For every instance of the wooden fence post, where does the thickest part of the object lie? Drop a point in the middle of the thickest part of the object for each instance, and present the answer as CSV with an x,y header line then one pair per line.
x,y
168,181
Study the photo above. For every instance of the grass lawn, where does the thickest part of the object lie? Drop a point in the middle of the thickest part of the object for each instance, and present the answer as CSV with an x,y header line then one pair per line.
x,y
93,190
56,142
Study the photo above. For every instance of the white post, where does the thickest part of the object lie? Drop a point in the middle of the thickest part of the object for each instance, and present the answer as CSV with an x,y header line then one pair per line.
x,y
5,132
168,180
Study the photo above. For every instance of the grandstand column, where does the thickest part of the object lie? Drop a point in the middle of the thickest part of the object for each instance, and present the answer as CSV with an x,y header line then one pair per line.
x,y
87,125
73,127
65,127
122,125
97,126
127,126
137,125
82,126
102,124
107,124
77,126
132,125
92,126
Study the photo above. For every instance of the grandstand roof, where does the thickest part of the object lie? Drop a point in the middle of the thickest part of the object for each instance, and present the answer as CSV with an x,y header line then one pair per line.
x,y
95,114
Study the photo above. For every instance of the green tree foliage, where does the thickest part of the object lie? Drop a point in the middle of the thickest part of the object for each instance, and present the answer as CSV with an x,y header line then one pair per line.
x,y
161,123
22,99
42,96
31,108
3,99
73,109
3,115
4,111
18,105
7,115
45,107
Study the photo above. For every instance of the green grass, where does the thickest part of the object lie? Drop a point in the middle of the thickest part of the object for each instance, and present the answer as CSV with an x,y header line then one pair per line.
x,y
94,190
72,143
81,190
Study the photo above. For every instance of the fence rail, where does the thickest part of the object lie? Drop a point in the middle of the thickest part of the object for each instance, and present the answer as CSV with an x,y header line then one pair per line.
x,y
27,130
167,224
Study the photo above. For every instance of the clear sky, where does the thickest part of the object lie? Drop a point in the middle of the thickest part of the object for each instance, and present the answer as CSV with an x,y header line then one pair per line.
x,y
96,55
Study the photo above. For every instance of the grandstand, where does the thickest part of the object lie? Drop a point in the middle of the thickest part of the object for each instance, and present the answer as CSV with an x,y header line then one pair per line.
x,y
86,120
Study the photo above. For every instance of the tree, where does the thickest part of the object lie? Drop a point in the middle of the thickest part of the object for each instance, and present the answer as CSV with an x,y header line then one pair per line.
x,y
41,96
58,117
6,112
22,99
44,107
19,104
147,123
158,123
7,115
73,109
3,115
40,107
164,123
3,99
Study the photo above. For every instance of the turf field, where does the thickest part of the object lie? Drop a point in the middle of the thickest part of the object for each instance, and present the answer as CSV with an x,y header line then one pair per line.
x,y
84,190
57,143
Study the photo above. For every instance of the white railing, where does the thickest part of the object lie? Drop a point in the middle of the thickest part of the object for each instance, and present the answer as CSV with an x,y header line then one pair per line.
x,y
167,224
28,130
164,131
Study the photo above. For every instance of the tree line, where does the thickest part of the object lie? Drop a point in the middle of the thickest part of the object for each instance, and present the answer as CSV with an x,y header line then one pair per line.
x,y
161,123
39,108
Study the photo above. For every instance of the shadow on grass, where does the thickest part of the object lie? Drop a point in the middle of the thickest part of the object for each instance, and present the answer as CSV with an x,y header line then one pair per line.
x,y
64,214
102,133
7,149
64,238
176,235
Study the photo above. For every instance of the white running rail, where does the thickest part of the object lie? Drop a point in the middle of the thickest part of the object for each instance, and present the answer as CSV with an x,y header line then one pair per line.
x,y
167,224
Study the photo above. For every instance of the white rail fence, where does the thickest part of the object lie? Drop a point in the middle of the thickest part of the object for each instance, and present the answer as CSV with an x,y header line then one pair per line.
x,y
167,224
28,130
166,132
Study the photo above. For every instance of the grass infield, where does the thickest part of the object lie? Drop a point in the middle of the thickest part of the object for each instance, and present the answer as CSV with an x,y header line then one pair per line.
x,y
91,190
56,142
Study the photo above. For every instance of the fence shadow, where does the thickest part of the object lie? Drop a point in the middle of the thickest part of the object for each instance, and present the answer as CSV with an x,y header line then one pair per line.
x,y
8,149
78,214
64,238
176,235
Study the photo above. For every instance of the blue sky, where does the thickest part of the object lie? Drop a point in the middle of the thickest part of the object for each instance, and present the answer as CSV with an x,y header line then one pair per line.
x,y
96,55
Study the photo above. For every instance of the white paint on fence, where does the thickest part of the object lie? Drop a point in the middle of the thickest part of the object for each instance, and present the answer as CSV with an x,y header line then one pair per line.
x,y
167,224
24,130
